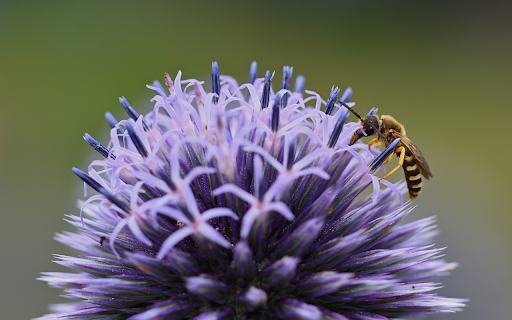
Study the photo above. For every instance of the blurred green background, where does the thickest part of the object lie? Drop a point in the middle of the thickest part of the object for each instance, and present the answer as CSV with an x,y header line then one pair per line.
x,y
442,68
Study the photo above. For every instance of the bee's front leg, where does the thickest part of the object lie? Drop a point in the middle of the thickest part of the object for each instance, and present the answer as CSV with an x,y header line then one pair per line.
x,y
400,161
374,141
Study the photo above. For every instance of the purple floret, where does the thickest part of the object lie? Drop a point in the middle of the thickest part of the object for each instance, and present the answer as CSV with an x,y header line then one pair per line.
x,y
245,203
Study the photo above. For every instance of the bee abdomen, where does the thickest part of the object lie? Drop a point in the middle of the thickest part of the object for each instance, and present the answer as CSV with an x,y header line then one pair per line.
x,y
412,175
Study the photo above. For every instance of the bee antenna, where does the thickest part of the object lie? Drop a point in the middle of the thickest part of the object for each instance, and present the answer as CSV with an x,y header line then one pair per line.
x,y
350,109
378,132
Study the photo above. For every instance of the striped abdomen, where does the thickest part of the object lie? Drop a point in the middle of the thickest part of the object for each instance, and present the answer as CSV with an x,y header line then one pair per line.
x,y
412,175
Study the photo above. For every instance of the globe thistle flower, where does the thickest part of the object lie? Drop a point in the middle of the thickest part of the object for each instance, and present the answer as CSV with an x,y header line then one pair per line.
x,y
244,203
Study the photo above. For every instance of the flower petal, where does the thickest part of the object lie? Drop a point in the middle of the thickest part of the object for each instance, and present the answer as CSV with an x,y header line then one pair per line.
x,y
172,240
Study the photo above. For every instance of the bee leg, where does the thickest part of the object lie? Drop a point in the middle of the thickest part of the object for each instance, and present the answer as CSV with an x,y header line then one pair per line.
x,y
388,159
374,140
400,161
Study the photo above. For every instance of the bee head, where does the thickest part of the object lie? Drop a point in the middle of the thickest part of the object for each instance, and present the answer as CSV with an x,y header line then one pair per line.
x,y
370,123
371,127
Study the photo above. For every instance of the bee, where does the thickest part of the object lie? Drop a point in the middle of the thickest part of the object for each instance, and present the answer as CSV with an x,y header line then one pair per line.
x,y
387,130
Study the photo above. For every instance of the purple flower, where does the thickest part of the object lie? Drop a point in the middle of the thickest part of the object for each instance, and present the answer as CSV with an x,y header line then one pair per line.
x,y
244,203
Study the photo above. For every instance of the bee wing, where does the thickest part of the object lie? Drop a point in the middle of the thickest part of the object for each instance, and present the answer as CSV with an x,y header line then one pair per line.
x,y
420,160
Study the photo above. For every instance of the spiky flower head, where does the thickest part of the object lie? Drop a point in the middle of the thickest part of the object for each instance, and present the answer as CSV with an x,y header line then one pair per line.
x,y
244,203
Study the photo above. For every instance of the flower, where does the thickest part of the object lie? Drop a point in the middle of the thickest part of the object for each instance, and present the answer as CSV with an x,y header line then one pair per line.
x,y
244,203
